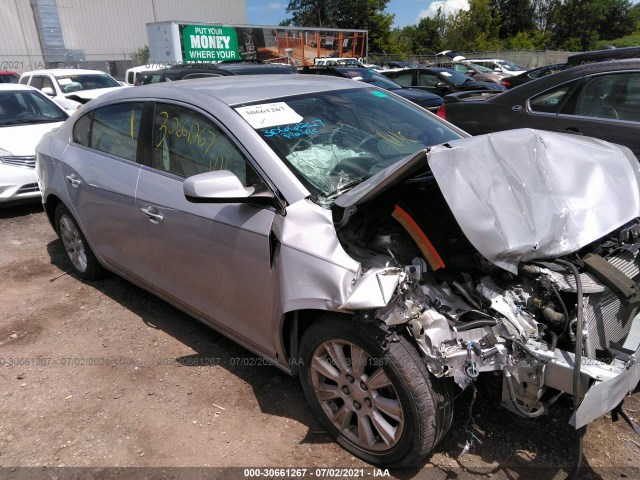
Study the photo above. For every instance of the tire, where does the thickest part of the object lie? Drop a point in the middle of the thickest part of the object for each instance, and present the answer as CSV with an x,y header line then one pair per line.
x,y
390,411
84,263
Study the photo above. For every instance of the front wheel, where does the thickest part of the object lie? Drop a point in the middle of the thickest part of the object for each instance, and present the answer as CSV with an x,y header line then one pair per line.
x,y
373,395
84,262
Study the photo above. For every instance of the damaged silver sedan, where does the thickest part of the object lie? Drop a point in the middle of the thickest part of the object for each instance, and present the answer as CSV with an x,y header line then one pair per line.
x,y
360,242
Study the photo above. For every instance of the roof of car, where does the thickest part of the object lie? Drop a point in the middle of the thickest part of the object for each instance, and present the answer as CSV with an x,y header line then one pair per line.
x,y
64,71
14,87
550,81
234,90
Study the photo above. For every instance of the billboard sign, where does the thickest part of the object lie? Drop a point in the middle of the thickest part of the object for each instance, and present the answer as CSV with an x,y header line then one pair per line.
x,y
203,43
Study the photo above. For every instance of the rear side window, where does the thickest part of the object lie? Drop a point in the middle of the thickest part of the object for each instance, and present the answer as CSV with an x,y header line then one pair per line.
x,y
114,129
37,81
551,100
24,80
82,130
404,78
186,143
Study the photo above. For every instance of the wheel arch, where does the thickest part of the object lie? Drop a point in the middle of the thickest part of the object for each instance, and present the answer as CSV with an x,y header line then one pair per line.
x,y
292,328
50,204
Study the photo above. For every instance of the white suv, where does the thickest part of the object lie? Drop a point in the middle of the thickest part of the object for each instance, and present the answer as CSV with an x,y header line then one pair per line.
x,y
498,65
70,88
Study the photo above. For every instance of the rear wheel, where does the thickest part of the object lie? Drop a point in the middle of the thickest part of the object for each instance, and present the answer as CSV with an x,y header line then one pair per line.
x,y
374,396
84,262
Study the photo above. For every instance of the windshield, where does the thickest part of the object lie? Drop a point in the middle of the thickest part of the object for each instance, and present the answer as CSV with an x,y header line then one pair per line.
x,y
88,81
333,140
8,78
28,107
512,67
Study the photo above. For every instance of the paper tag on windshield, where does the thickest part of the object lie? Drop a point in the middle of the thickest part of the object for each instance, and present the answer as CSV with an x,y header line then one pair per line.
x,y
269,115
64,81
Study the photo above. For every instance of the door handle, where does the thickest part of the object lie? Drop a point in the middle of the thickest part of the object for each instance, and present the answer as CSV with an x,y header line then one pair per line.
x,y
152,214
73,180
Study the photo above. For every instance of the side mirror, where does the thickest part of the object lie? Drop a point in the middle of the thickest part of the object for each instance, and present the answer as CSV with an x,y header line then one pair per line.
x,y
48,91
441,85
223,186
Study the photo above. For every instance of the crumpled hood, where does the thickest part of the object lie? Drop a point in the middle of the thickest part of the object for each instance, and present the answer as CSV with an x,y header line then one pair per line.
x,y
521,195
524,194
21,140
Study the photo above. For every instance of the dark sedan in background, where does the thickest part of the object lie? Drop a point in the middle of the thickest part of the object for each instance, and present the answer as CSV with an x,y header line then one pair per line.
x,y
600,100
427,100
441,81
517,80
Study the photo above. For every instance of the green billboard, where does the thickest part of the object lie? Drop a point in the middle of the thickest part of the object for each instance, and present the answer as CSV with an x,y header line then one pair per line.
x,y
203,43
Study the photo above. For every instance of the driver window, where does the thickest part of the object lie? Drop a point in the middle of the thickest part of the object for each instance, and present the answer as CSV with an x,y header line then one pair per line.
x,y
187,143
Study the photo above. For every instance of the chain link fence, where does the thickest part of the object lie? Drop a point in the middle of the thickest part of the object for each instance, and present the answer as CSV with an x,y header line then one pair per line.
x,y
525,58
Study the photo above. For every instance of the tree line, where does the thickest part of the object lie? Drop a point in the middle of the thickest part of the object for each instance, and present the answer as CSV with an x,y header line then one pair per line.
x,y
574,25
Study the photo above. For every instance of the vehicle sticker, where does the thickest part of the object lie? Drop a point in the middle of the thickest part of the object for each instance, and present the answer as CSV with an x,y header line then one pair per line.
x,y
269,115
446,74
379,94
295,130
65,81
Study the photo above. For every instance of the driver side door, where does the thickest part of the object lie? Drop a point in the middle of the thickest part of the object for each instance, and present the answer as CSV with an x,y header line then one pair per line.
x,y
211,259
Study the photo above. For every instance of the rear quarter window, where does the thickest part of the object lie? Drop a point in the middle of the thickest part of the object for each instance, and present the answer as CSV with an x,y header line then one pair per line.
x,y
114,129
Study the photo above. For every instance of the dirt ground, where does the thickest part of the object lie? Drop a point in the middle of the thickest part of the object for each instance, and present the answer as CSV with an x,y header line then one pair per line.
x,y
105,375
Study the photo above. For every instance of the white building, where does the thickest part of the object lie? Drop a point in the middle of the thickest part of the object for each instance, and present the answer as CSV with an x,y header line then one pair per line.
x,y
95,33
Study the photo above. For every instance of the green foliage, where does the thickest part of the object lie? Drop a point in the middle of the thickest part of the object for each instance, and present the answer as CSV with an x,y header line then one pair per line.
x,y
573,25
580,24
626,41
141,56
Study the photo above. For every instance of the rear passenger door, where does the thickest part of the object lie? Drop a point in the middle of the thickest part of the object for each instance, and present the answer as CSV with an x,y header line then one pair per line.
x,y
211,258
101,173
604,106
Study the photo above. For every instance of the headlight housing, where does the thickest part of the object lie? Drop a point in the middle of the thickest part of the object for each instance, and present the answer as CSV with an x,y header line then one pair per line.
x,y
4,153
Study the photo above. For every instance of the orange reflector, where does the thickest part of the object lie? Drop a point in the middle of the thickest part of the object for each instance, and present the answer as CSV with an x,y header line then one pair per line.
x,y
426,247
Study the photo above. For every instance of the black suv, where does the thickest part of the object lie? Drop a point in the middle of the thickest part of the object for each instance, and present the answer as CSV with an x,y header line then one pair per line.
x,y
188,71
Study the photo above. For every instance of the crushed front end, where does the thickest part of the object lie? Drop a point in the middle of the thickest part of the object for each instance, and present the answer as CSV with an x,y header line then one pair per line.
x,y
517,256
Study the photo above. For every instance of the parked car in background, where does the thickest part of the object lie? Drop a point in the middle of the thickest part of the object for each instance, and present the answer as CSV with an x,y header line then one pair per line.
x,y
427,100
149,77
188,71
441,81
131,75
498,65
399,64
357,241
9,77
70,88
514,81
477,72
335,61
25,115
603,55
600,100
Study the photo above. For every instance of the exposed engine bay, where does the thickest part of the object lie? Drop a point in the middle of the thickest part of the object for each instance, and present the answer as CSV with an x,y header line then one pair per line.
x,y
469,316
